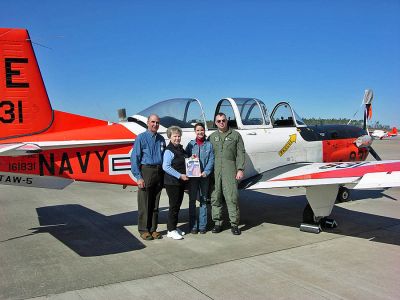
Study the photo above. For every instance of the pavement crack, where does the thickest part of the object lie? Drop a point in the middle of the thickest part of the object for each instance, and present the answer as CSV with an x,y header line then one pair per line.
x,y
191,285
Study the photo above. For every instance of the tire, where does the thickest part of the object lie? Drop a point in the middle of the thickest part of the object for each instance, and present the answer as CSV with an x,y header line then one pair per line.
x,y
343,195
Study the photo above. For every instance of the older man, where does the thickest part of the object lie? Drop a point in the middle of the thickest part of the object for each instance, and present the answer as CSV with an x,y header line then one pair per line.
x,y
229,156
146,161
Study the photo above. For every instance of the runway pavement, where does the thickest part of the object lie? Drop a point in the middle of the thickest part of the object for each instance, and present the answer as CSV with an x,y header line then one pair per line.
x,y
82,243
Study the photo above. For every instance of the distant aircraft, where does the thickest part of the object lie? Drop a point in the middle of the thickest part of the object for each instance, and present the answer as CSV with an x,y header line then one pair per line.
x,y
42,147
381,134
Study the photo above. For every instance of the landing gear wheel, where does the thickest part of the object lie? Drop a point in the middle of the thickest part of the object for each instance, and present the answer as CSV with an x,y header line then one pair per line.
x,y
343,195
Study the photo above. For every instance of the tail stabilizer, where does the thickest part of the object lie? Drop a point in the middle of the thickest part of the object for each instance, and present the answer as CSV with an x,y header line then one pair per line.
x,y
24,104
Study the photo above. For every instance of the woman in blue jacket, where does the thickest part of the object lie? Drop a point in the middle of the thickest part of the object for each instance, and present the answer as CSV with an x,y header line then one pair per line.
x,y
203,150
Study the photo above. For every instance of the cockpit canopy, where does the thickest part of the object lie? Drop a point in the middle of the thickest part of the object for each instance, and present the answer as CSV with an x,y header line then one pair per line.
x,y
242,113
284,116
182,112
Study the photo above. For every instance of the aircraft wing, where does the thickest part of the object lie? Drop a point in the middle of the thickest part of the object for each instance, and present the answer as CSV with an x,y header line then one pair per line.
x,y
364,175
21,149
30,180
17,149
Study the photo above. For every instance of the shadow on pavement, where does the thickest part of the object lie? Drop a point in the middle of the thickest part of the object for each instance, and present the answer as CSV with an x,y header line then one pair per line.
x,y
260,208
87,232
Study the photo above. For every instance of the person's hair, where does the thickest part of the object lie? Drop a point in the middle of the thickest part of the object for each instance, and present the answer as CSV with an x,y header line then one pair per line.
x,y
202,126
220,114
152,115
199,124
172,130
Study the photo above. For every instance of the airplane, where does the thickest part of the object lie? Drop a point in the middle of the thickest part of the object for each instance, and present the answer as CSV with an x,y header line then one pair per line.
x,y
381,134
47,148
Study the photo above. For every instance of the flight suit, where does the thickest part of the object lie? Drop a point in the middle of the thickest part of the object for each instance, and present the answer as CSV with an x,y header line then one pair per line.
x,y
229,156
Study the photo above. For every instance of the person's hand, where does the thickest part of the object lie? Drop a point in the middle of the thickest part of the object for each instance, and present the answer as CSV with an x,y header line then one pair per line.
x,y
184,177
203,174
141,184
239,175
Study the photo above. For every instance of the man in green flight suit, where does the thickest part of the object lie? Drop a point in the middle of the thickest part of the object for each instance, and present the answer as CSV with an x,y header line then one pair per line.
x,y
229,155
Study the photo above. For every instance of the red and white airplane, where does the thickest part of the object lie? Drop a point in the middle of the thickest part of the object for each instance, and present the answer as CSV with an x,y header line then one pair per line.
x,y
381,134
42,147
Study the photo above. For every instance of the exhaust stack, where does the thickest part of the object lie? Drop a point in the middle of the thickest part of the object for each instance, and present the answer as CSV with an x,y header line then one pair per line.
x,y
122,114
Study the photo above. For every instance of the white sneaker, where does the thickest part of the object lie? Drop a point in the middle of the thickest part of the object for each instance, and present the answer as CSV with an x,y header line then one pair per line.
x,y
174,235
182,233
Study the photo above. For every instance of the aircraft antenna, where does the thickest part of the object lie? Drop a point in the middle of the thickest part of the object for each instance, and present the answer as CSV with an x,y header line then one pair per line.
x,y
44,46
102,111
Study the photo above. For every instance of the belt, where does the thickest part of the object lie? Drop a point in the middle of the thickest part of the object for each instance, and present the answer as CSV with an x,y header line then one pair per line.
x,y
152,166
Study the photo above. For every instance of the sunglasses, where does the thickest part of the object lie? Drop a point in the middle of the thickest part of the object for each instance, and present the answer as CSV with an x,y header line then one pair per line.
x,y
221,121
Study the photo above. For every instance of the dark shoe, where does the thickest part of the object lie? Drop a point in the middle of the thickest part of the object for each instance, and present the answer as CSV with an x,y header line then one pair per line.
x,y
146,236
235,230
202,231
156,235
217,229
194,231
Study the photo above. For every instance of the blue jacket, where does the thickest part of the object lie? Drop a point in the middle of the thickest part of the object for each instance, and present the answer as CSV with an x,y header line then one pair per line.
x,y
205,153
146,151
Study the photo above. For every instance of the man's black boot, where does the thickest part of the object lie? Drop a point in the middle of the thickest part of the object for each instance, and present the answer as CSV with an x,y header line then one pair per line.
x,y
217,229
235,230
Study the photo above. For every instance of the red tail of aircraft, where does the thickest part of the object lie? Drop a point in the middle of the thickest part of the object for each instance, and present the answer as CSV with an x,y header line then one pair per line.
x,y
41,142
393,132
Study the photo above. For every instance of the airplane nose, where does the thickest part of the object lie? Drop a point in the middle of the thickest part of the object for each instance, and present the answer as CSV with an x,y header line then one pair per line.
x,y
363,141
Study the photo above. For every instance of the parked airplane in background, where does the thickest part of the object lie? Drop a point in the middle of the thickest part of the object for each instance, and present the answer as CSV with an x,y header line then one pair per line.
x,y
42,147
381,134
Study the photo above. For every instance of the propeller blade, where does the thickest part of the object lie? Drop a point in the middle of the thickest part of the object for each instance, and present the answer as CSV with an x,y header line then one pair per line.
x,y
368,96
373,153
367,100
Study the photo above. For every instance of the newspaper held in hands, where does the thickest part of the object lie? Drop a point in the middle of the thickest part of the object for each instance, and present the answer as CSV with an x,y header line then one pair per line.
x,y
193,167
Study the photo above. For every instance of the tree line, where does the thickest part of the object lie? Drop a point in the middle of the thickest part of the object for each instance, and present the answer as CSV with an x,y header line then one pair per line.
x,y
344,121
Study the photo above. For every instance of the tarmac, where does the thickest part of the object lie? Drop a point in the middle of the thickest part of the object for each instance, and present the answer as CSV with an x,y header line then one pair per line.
x,y
82,243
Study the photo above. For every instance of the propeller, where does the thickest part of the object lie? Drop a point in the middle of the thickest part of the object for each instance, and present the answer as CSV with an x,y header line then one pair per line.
x,y
365,141
373,153
367,101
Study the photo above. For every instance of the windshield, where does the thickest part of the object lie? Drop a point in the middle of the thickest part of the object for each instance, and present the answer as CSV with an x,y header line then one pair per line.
x,y
299,120
182,112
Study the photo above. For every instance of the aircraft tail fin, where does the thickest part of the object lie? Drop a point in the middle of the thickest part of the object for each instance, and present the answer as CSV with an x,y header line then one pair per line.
x,y
25,108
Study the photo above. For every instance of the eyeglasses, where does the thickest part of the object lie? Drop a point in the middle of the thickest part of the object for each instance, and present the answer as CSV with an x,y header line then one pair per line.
x,y
221,121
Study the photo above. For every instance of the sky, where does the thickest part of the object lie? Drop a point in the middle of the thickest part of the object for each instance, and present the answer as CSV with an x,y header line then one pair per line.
x,y
320,55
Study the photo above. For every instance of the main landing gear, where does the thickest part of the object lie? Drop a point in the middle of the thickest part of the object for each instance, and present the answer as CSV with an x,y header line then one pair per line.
x,y
343,195
314,224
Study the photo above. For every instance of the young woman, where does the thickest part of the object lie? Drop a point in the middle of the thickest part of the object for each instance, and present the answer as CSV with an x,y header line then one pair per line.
x,y
203,150
175,179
